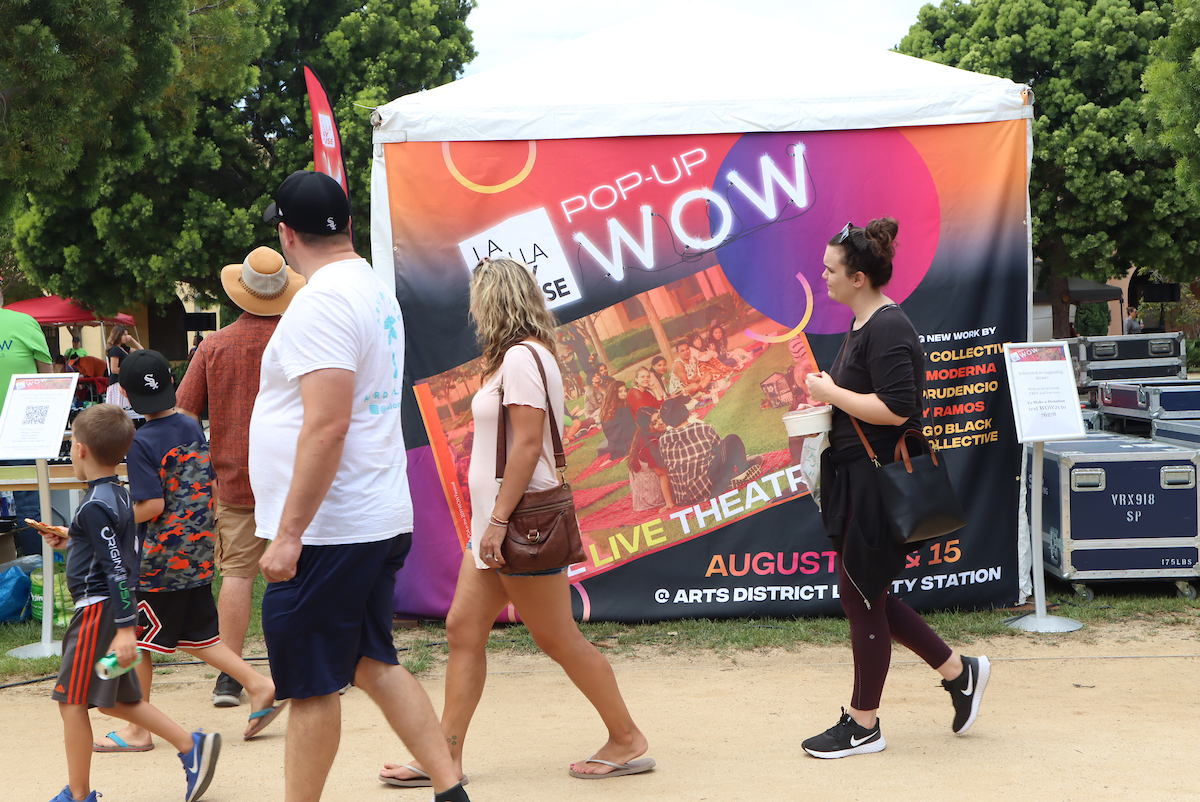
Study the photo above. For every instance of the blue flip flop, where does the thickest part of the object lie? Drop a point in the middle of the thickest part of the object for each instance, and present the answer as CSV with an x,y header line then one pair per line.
x,y
259,719
121,746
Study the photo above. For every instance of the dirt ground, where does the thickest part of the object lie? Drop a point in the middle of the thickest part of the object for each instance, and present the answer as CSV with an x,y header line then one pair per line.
x,y
1104,713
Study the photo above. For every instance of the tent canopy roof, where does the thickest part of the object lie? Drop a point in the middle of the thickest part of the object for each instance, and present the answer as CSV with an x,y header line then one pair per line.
x,y
54,311
699,69
1082,291
1079,290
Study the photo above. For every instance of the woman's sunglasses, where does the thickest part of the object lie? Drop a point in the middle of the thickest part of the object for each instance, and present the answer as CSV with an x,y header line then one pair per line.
x,y
844,236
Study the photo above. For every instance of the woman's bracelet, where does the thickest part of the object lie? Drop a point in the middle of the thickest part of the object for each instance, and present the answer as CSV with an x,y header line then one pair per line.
x,y
494,521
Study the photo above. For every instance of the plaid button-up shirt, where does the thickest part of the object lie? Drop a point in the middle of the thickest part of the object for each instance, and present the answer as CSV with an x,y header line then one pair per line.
x,y
223,378
686,454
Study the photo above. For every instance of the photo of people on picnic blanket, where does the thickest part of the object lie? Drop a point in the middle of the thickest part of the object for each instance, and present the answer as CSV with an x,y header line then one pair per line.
x,y
673,423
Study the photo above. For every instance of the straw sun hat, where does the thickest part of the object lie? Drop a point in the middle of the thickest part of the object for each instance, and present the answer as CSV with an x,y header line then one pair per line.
x,y
262,285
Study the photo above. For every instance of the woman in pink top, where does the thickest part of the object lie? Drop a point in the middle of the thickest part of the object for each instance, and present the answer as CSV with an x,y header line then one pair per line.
x,y
509,309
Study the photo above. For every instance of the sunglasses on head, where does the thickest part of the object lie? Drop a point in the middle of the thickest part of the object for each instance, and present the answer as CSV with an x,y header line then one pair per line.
x,y
844,236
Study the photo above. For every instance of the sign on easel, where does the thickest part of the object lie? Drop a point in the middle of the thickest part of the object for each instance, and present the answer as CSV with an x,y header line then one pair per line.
x,y
1041,383
1045,402
35,415
31,427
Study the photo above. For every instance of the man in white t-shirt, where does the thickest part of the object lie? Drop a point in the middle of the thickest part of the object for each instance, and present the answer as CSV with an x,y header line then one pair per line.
x,y
327,466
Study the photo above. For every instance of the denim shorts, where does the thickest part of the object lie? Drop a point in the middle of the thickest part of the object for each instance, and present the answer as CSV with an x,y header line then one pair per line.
x,y
548,572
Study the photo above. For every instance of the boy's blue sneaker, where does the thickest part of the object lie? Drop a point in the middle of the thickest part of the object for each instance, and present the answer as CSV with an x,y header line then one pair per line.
x,y
65,796
200,763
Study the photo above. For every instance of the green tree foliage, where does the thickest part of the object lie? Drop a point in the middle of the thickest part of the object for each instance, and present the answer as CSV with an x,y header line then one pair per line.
x,y
79,80
1103,192
195,202
1173,83
1092,320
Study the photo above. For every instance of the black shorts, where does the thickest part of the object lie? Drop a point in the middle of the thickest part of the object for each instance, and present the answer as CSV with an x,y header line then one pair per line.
x,y
337,609
88,638
177,619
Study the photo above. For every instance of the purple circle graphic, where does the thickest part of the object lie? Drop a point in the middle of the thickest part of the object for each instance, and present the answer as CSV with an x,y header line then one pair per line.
x,y
847,176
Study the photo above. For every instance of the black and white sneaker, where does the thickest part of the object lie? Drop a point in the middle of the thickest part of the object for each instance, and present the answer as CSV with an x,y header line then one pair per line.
x,y
966,691
227,692
846,738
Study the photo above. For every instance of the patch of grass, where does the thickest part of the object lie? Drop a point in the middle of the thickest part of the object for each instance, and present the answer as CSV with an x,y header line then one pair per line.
x,y
1145,607
740,410
15,669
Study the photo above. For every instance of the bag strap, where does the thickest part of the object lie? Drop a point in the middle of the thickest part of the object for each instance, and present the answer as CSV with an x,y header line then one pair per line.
x,y
866,445
901,446
560,459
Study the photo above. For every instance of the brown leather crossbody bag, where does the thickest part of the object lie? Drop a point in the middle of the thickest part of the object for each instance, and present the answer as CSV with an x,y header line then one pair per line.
x,y
543,532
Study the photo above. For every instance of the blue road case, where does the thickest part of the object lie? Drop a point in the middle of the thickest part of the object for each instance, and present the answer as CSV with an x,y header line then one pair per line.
x,y
1120,507
1184,433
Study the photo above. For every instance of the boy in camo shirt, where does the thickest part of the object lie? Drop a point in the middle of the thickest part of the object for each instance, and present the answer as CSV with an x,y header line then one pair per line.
x,y
170,483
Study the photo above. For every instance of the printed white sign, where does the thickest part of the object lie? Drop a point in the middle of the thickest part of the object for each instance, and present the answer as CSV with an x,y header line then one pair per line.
x,y
35,415
326,129
1041,383
529,238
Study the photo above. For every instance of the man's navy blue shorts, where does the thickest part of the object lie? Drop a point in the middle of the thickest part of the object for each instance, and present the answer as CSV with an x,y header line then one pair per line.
x,y
337,609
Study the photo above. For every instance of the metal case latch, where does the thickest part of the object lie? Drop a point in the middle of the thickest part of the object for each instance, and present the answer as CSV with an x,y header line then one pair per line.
x,y
1162,348
1087,479
1177,477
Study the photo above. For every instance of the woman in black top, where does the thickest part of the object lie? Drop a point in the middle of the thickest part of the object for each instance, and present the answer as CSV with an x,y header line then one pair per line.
x,y
878,377
120,343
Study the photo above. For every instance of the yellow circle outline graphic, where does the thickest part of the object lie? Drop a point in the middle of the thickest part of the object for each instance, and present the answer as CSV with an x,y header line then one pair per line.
x,y
808,309
489,189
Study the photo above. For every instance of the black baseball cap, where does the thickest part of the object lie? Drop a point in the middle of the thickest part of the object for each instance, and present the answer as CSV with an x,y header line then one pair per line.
x,y
674,410
147,380
311,202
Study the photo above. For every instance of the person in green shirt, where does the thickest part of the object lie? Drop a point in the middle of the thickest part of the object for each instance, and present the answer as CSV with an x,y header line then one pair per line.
x,y
75,351
22,350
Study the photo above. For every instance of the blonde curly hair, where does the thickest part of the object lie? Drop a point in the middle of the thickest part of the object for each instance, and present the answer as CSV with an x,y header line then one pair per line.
x,y
508,306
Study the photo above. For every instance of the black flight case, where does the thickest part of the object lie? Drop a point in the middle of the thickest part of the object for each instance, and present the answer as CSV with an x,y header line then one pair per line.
x,y
1128,357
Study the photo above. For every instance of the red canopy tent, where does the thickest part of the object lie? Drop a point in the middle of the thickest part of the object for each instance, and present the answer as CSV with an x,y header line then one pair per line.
x,y
54,311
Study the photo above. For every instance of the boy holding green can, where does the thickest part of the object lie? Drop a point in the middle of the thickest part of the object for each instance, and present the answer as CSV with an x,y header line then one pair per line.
x,y
102,575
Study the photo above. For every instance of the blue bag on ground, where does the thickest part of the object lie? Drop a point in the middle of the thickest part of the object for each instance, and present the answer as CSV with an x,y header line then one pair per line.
x,y
14,595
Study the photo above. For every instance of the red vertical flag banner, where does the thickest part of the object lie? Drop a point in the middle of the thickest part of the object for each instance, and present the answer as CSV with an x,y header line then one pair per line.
x,y
327,144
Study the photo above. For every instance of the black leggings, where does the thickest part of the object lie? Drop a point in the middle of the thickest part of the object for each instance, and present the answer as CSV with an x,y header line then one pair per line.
x,y
871,635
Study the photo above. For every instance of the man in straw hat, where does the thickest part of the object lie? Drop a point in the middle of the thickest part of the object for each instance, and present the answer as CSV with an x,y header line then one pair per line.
x,y
328,466
223,378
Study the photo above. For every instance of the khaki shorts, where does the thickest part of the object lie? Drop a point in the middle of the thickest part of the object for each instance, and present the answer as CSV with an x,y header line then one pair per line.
x,y
238,550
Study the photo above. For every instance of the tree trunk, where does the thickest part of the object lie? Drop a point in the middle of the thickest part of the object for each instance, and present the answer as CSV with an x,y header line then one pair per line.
x,y
1060,303
656,326
597,343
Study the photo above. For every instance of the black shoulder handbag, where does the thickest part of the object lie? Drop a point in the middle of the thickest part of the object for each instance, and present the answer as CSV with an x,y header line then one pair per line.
x,y
543,532
917,491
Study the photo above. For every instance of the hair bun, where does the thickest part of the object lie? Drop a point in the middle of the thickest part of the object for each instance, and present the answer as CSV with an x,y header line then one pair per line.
x,y
881,234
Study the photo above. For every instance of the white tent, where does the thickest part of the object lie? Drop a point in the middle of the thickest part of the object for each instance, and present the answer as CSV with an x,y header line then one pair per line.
x,y
698,69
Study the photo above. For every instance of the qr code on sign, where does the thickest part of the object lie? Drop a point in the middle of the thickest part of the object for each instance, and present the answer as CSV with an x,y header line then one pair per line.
x,y
36,415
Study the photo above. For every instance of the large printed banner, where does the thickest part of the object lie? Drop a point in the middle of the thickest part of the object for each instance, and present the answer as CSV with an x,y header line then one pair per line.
x,y
690,267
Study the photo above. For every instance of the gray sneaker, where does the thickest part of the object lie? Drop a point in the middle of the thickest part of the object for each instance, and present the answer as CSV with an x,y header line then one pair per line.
x,y
227,692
